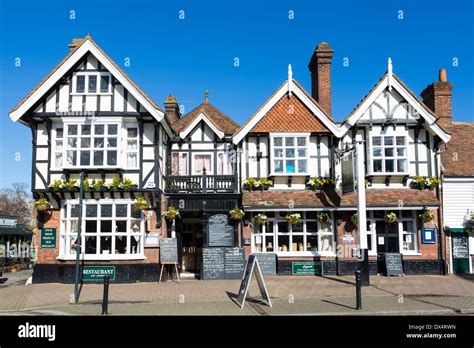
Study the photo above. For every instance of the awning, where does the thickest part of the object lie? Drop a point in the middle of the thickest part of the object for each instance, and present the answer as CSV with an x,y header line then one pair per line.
x,y
457,230
15,231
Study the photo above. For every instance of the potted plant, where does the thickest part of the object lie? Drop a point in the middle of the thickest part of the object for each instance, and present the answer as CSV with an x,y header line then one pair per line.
x,y
422,183
128,185
264,184
115,184
98,185
236,213
249,184
42,204
322,217
87,186
56,185
141,203
390,218
432,182
71,185
354,219
171,213
293,218
321,183
426,216
261,219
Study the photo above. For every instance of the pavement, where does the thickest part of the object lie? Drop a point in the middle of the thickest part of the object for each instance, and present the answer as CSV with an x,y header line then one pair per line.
x,y
290,295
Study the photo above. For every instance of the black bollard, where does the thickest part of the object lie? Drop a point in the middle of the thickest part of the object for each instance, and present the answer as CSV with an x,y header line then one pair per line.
x,y
358,290
105,299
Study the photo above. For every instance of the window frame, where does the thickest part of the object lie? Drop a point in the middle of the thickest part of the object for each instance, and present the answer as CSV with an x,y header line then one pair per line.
x,y
65,235
193,167
284,158
137,141
275,233
86,75
74,122
376,132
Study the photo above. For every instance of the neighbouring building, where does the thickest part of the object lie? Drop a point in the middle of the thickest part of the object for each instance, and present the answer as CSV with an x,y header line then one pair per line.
x,y
458,196
283,167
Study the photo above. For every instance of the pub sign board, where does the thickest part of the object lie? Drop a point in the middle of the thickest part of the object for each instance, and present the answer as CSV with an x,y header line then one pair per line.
x,y
348,173
48,238
97,273
168,250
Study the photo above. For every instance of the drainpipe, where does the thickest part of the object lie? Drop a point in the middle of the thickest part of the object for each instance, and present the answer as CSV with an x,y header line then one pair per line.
x,y
439,196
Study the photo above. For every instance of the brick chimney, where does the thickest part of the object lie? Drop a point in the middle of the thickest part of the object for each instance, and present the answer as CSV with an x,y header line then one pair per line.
x,y
74,43
437,97
320,68
172,109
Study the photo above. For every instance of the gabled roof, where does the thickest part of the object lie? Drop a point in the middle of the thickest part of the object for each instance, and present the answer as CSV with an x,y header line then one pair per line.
x,y
289,88
390,80
458,159
84,46
211,115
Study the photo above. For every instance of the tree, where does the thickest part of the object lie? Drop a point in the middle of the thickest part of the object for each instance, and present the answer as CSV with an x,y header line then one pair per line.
x,y
16,201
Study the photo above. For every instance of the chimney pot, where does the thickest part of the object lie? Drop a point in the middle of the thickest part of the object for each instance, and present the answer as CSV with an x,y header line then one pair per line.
x,y
442,76
74,43
172,109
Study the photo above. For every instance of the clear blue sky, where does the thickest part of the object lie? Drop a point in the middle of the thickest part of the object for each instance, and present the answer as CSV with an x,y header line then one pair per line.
x,y
184,57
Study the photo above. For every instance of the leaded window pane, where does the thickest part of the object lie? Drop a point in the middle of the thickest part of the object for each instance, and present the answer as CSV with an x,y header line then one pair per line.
x,y
86,130
80,83
106,210
132,132
98,158
121,210
112,158
91,210
99,129
59,133
72,130
92,84
104,83
112,129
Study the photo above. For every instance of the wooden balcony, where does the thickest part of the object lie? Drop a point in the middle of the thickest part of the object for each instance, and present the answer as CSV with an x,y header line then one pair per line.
x,y
201,183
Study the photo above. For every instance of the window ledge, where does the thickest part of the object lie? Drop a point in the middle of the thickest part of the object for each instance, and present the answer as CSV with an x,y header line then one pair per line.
x,y
410,253
303,253
387,174
72,257
91,94
288,174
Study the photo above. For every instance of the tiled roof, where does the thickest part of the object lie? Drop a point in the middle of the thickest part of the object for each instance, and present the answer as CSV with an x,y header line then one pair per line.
x,y
217,117
289,114
79,43
269,98
312,199
458,160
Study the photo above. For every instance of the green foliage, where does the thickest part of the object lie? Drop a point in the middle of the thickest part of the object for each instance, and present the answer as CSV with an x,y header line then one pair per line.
x,y
236,213
171,213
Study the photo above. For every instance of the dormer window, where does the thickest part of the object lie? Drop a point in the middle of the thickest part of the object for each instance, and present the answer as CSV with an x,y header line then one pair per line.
x,y
92,83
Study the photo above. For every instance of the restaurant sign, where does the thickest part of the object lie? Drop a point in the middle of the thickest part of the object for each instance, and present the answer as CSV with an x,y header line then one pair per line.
x,y
97,273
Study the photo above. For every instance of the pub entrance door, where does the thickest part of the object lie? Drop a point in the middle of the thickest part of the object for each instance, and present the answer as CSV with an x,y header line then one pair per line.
x,y
460,246
387,242
191,245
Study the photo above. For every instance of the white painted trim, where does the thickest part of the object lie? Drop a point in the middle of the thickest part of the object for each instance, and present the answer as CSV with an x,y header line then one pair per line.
x,y
101,257
87,46
448,179
196,121
431,120
286,88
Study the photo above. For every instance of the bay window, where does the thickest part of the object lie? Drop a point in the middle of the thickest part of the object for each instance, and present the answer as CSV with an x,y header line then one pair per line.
x,y
309,237
290,154
88,145
111,229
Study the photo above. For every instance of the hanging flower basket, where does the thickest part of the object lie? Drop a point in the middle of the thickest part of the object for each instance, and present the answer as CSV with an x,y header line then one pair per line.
x,y
171,213
141,203
390,218
236,213
261,219
355,218
426,216
322,217
293,218
469,224
42,204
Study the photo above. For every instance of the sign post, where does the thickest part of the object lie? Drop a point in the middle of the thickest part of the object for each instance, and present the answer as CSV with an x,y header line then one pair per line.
x,y
78,241
362,212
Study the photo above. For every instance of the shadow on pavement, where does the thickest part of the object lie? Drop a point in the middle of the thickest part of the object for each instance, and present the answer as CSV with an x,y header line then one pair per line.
x,y
338,304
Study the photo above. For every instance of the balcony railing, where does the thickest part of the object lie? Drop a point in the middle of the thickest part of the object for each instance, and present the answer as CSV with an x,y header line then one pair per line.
x,y
201,183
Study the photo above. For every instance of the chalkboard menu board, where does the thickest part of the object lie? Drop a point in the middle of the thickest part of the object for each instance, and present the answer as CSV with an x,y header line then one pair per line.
x,y
460,247
267,263
168,250
234,261
393,264
213,263
220,233
251,267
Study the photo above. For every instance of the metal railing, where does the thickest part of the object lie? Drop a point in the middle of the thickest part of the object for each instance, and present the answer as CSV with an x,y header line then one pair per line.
x,y
201,183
